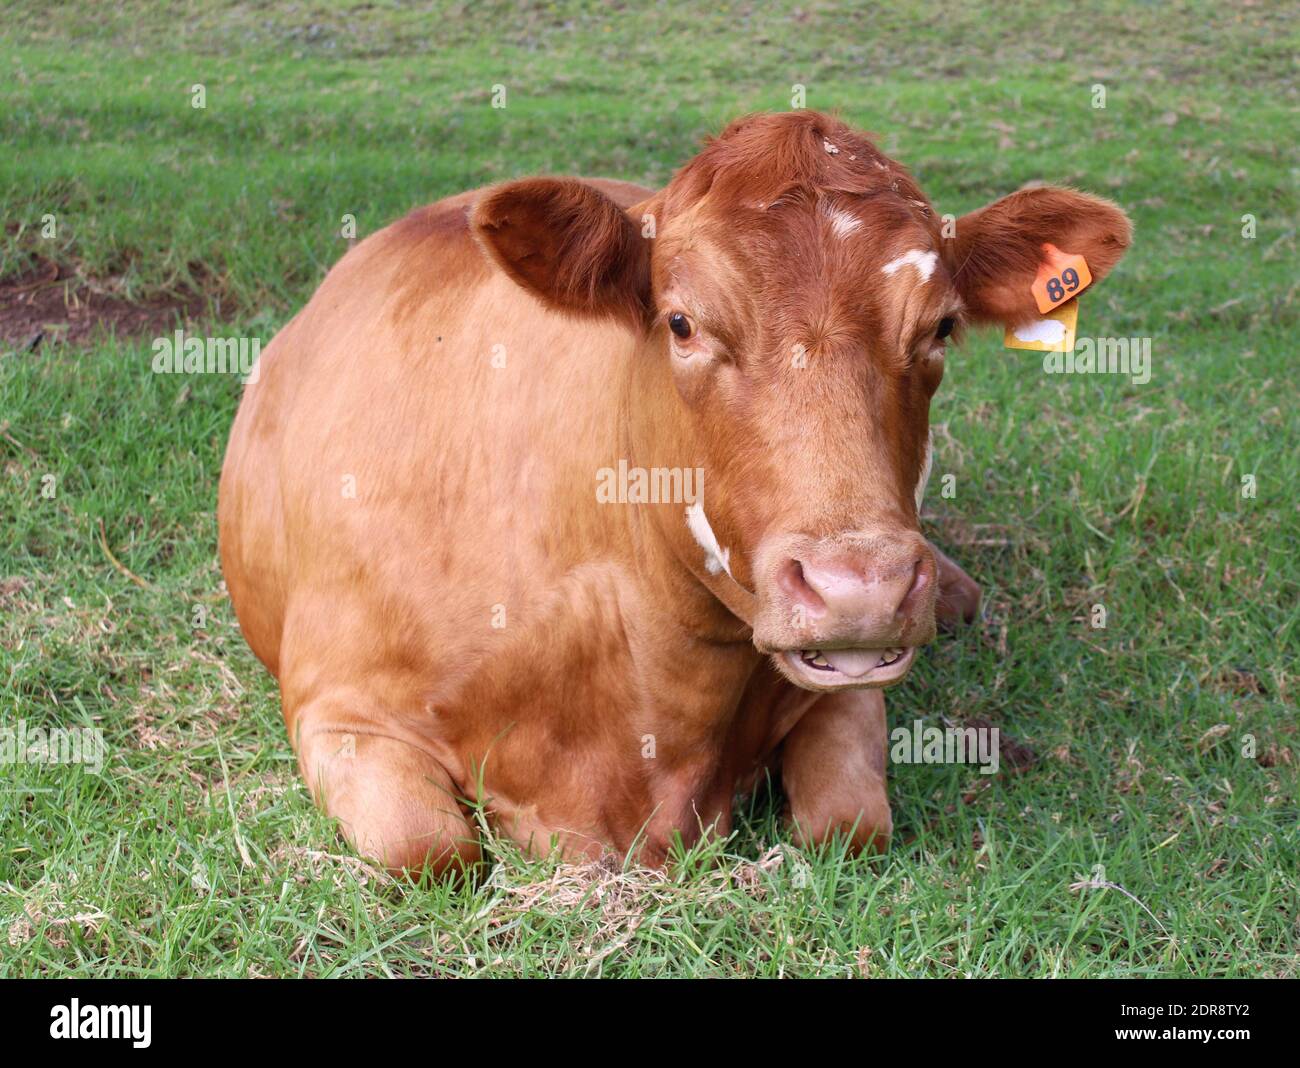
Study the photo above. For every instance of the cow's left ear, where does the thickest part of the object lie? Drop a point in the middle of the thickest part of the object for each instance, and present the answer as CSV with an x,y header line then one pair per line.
x,y
996,252
569,245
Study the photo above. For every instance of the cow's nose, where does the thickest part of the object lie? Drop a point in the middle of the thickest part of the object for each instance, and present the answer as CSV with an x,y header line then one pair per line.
x,y
873,598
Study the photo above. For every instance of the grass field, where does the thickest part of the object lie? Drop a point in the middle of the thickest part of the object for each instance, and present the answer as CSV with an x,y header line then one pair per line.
x,y
1152,826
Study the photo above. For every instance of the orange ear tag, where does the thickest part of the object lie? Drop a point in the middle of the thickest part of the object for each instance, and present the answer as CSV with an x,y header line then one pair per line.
x,y
1054,332
1063,276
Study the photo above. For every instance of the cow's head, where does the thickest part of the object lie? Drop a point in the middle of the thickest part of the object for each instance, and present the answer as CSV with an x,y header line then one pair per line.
x,y
799,292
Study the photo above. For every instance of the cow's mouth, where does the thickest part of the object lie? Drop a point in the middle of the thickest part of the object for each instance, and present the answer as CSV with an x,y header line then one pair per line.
x,y
833,669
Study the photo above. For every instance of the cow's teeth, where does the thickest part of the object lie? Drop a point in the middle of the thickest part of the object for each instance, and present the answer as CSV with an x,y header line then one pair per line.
x,y
816,658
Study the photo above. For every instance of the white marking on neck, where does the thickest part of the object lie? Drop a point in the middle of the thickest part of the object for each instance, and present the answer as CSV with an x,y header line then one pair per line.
x,y
926,466
923,260
716,558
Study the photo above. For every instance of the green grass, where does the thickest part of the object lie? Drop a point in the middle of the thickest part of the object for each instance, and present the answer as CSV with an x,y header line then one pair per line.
x,y
1070,491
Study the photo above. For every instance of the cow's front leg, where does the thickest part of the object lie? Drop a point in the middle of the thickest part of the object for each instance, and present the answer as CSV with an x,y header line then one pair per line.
x,y
833,771
393,800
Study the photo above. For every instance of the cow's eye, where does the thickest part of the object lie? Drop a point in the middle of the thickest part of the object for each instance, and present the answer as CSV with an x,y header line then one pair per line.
x,y
945,328
680,325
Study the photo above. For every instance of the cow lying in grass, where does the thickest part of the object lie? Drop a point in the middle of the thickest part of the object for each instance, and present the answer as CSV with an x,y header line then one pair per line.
x,y
417,545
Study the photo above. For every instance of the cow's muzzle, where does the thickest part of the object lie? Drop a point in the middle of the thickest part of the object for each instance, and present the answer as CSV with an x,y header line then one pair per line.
x,y
846,611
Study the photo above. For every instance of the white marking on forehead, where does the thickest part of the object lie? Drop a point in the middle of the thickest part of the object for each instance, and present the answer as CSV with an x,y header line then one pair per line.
x,y
716,558
1048,331
922,259
926,465
842,223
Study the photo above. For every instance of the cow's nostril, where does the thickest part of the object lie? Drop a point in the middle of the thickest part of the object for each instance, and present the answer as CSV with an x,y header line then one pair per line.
x,y
916,592
796,585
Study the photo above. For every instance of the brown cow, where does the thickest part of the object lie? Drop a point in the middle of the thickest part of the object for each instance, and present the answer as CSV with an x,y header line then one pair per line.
x,y
590,504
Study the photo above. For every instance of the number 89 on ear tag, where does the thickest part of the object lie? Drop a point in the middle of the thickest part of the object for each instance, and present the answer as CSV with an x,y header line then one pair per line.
x,y
1063,276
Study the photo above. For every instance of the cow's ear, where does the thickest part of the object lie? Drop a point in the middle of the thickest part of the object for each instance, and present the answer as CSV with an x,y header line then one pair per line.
x,y
569,245
996,252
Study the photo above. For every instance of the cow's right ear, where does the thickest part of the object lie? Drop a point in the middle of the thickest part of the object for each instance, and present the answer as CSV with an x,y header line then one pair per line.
x,y
569,245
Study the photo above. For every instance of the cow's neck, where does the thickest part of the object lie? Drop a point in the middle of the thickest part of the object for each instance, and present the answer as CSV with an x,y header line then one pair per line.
x,y
713,605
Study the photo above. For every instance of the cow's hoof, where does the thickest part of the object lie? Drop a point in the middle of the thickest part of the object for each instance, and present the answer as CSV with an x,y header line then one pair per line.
x,y
866,831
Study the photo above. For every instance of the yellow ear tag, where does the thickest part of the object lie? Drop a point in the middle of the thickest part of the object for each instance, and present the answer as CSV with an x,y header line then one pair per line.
x,y
1054,332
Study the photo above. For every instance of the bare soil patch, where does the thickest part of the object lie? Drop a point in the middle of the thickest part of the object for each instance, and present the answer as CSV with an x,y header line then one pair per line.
x,y
54,306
